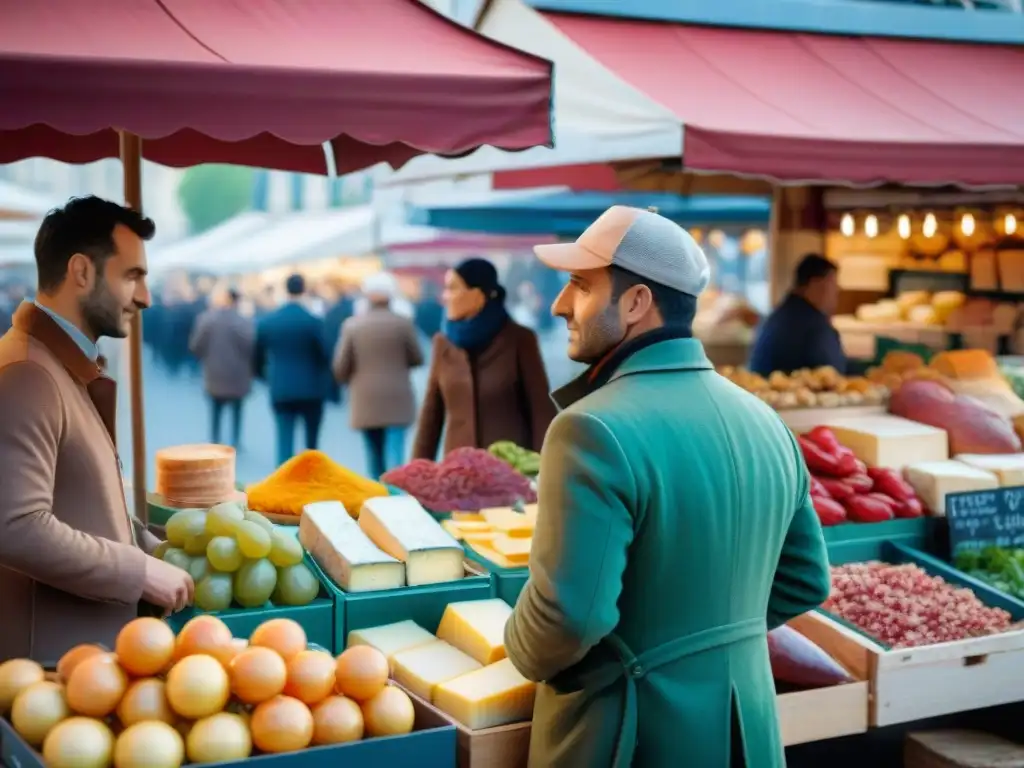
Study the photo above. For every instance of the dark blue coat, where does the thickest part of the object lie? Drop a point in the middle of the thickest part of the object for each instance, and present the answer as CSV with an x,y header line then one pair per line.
x,y
796,335
292,355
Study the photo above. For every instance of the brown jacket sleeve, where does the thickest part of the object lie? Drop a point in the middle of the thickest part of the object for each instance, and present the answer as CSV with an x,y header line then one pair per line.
x,y
535,385
32,540
344,359
432,412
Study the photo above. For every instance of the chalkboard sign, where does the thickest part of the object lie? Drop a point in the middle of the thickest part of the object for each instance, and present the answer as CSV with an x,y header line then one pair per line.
x,y
981,519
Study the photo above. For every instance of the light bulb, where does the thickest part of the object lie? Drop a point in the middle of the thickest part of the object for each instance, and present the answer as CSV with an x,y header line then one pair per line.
x,y
967,224
846,225
871,226
1010,223
930,226
903,225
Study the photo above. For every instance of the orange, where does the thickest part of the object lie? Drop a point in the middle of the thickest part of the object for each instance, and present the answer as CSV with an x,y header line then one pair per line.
x,y
285,636
257,674
281,724
144,646
197,686
361,672
74,657
389,713
205,635
145,699
310,676
337,720
96,686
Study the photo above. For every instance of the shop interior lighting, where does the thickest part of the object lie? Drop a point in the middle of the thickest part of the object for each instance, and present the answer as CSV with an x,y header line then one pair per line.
x,y
967,224
871,225
903,225
930,226
847,225
1010,223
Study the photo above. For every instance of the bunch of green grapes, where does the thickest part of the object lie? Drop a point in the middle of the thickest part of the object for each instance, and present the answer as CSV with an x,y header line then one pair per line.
x,y
237,555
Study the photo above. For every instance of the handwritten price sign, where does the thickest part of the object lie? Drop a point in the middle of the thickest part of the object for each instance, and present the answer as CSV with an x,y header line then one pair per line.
x,y
985,519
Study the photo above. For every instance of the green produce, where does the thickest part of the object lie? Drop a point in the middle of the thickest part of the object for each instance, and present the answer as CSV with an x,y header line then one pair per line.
x,y
522,460
253,540
285,549
199,569
254,583
177,558
1002,569
296,585
224,554
214,593
182,525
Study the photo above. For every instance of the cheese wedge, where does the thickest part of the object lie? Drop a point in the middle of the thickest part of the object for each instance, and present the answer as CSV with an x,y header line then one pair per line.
x,y
890,441
420,669
390,639
487,552
407,532
494,695
515,549
476,627
530,510
508,521
462,517
932,480
1008,468
344,552
460,530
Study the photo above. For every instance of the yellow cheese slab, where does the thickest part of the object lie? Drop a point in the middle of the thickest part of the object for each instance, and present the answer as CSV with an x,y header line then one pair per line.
x,y
515,548
890,441
508,521
467,517
421,669
390,639
400,526
530,510
346,554
932,481
1008,468
494,695
476,627
485,537
453,528
487,552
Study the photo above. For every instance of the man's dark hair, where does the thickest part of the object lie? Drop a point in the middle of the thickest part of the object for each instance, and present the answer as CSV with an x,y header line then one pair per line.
x,y
811,267
84,225
677,309
295,285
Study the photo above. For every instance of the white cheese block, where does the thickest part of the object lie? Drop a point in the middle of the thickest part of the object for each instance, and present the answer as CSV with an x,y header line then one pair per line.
x,y
492,696
390,639
344,552
1007,467
932,480
476,627
890,441
407,532
420,669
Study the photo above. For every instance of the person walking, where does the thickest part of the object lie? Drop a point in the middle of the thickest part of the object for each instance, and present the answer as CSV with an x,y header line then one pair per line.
x,y
375,355
75,564
223,342
292,356
487,380
675,526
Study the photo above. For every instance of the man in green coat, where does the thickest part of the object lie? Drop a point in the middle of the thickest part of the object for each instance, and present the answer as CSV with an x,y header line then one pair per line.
x,y
675,526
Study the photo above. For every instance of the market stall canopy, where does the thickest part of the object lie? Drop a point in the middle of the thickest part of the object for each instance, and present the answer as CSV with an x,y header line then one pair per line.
x,y
567,214
783,105
200,251
264,83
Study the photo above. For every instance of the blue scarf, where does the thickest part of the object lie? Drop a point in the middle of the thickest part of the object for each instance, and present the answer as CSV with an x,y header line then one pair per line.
x,y
476,333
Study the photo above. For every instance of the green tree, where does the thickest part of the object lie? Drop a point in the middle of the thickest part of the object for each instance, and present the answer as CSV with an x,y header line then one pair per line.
x,y
211,194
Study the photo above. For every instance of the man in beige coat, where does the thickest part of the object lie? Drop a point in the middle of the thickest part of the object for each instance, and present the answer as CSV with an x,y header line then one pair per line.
x,y
73,561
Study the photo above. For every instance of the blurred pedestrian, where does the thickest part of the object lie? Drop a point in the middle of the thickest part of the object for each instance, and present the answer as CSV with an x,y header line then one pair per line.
x,y
291,355
487,380
376,352
223,341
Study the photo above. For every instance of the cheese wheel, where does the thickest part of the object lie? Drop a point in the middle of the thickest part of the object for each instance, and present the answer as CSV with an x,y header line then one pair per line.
x,y
196,475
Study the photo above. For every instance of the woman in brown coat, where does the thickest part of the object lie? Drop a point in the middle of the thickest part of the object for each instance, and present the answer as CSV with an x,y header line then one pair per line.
x,y
487,380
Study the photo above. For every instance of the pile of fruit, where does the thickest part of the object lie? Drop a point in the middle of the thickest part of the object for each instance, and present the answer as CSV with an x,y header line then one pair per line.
x,y
203,697
998,567
522,460
902,606
822,387
467,480
844,489
236,555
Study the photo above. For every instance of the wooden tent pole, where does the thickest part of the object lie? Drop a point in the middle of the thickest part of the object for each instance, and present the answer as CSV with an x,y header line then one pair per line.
x,y
131,163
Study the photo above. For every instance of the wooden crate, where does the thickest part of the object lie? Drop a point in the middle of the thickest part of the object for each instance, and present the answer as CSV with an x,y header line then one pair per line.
x,y
823,713
504,746
917,683
960,749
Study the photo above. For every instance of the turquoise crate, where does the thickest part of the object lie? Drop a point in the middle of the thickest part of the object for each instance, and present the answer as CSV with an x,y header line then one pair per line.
x,y
317,618
508,582
431,745
896,554
853,542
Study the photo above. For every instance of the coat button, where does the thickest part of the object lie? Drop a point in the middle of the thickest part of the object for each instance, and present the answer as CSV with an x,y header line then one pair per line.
x,y
637,670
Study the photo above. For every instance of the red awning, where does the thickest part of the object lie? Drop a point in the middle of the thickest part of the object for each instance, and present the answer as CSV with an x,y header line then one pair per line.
x,y
260,82
820,108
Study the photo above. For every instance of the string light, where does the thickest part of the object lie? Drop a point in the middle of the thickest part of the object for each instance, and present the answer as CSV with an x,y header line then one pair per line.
x,y
847,225
871,226
1010,223
967,224
930,226
903,225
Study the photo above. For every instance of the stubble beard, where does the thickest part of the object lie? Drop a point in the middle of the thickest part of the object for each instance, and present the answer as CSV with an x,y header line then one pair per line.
x,y
598,338
102,313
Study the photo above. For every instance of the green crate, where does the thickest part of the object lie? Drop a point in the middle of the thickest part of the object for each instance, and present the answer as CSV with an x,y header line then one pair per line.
x,y
317,618
508,582
431,745
853,542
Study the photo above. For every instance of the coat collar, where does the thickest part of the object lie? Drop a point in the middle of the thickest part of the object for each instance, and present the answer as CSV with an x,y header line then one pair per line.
x,y
679,354
31,320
